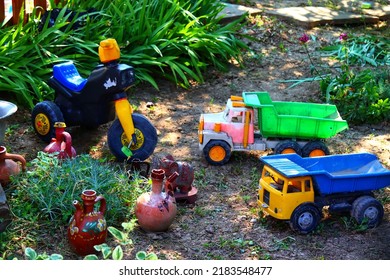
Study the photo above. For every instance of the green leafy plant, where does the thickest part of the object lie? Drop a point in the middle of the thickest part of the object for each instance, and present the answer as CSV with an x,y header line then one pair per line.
x,y
42,198
174,39
360,94
142,255
362,97
123,238
50,186
351,224
27,55
360,50
31,254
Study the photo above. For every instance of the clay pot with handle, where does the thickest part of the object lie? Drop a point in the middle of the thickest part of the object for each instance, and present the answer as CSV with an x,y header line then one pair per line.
x,y
62,143
156,210
10,164
87,227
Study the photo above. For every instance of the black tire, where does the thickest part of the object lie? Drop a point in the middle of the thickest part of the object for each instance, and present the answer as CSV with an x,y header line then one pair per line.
x,y
217,152
315,149
43,117
288,147
367,209
305,218
146,135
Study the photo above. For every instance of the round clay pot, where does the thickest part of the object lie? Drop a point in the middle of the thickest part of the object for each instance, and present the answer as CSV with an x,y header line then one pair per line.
x,y
156,210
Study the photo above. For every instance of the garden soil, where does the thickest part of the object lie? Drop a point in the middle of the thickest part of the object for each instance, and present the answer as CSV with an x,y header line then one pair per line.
x,y
225,221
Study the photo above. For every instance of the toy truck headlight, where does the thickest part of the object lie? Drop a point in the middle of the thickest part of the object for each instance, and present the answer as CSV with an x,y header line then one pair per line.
x,y
127,77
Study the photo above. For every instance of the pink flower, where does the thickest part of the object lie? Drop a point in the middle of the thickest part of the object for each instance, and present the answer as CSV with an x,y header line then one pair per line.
x,y
343,36
304,39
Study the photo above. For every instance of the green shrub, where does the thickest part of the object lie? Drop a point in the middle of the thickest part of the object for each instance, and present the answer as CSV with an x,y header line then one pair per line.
x,y
45,193
362,95
361,50
41,199
27,56
359,84
174,39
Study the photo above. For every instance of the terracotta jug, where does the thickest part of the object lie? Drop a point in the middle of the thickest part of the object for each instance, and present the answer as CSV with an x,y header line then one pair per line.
x,y
156,210
87,227
9,165
62,143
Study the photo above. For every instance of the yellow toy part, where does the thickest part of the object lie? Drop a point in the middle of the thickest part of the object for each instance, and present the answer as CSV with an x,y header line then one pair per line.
x,y
124,111
109,50
279,195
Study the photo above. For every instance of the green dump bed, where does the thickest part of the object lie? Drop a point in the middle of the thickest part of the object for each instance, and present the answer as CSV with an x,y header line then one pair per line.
x,y
294,119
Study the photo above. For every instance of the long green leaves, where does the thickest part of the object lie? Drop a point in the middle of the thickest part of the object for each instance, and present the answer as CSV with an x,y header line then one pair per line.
x,y
174,39
27,56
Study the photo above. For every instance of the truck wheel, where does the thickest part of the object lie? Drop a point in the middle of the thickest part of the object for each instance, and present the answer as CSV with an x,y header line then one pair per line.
x,y
43,117
146,135
367,209
288,147
315,149
305,218
217,152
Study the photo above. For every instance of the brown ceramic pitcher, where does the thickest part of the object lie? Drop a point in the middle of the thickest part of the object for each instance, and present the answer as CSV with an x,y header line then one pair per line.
x,y
87,227
156,210
9,165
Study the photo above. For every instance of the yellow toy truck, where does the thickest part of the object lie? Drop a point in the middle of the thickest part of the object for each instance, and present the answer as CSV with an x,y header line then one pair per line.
x,y
296,189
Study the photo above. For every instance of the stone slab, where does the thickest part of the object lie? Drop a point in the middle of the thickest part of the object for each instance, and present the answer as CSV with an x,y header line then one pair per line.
x,y
350,12
376,9
233,12
310,17
382,12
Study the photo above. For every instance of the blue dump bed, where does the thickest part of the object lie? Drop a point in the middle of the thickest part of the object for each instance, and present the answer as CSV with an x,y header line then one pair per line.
x,y
335,173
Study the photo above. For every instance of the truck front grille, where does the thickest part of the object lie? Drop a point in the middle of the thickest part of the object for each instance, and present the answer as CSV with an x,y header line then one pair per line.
x,y
266,197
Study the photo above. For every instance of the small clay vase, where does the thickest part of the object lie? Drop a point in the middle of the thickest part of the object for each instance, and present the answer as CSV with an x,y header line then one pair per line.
x,y
62,143
87,227
156,210
9,165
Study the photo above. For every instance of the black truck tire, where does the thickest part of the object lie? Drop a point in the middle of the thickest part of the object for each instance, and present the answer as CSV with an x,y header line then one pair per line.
x,y
217,152
367,209
288,147
315,149
305,218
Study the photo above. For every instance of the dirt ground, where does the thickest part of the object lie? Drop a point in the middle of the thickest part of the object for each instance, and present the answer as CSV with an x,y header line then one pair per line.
x,y
224,222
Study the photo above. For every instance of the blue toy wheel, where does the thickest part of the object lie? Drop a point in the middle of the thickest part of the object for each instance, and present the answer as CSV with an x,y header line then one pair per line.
x,y
43,117
146,136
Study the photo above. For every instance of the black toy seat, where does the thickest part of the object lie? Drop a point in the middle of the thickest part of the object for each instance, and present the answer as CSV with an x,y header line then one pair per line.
x,y
67,74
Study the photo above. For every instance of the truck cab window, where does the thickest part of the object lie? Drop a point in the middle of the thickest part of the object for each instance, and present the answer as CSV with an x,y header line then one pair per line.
x,y
307,186
237,117
276,183
294,186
